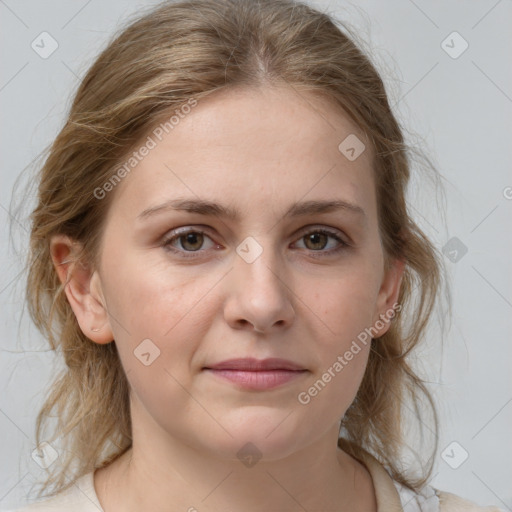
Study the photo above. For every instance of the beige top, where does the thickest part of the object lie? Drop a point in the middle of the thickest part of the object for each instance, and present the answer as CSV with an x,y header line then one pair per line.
x,y
391,497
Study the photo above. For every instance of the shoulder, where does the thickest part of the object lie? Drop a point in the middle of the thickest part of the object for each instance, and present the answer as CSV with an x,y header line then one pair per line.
x,y
430,499
80,497
392,495
453,503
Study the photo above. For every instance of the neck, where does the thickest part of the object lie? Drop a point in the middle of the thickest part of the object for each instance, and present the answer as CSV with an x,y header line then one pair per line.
x,y
186,480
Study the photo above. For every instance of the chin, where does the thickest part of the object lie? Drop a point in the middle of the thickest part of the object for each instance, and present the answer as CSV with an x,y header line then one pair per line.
x,y
257,434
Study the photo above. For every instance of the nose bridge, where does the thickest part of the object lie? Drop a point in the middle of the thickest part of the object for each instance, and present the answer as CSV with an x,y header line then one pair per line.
x,y
259,264
259,293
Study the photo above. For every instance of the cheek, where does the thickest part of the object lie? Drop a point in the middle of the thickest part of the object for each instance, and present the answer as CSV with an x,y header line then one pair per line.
x,y
325,398
345,308
166,319
346,305
152,300
158,320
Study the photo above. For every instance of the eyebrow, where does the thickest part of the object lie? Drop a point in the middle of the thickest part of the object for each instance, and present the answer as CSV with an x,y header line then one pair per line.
x,y
204,207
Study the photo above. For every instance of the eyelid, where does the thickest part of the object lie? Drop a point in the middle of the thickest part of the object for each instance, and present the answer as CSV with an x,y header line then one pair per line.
x,y
330,230
335,233
176,234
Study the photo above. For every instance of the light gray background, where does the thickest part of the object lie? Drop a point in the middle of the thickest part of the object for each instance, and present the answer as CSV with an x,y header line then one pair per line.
x,y
458,110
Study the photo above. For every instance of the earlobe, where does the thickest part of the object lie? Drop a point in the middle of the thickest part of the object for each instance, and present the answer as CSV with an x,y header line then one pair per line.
x,y
82,287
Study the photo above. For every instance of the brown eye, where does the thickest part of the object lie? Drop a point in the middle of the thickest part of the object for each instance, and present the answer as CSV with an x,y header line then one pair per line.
x,y
187,241
316,241
191,241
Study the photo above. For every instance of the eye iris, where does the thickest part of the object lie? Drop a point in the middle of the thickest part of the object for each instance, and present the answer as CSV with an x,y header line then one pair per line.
x,y
192,239
314,238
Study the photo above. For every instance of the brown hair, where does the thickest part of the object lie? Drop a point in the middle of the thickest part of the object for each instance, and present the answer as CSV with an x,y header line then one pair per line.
x,y
190,49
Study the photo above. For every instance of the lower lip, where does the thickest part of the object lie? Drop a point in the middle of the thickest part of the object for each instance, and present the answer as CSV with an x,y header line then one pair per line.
x,y
258,380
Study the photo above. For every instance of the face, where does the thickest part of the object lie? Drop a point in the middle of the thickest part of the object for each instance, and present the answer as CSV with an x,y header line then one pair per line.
x,y
282,277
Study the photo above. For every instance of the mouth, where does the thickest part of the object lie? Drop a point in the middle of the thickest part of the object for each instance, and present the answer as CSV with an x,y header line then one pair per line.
x,y
256,374
252,364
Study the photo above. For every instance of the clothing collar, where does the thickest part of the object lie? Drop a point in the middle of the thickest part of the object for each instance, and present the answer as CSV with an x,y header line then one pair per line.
x,y
386,494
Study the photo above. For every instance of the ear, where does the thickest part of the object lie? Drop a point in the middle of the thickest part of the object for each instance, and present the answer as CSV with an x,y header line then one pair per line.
x,y
386,304
82,288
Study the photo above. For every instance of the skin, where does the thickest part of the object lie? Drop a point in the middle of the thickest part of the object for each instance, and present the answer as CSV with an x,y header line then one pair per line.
x,y
259,151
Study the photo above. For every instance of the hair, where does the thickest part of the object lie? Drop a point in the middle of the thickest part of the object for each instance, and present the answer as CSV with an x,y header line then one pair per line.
x,y
186,50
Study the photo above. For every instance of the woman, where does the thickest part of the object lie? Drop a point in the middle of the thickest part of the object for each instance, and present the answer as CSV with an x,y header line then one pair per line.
x,y
223,242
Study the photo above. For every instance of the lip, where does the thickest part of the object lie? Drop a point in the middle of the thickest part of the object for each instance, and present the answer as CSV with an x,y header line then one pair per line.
x,y
254,365
258,375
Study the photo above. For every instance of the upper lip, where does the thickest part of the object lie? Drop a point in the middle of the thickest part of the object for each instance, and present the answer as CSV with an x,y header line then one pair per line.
x,y
252,364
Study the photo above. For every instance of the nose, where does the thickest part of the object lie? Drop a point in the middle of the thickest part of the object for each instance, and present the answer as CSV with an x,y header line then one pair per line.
x,y
259,297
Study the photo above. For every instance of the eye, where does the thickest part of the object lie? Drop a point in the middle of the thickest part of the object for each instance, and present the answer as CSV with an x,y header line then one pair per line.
x,y
187,243
189,240
317,239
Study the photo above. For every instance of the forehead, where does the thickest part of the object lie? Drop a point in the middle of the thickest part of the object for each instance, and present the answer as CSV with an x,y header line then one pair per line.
x,y
268,145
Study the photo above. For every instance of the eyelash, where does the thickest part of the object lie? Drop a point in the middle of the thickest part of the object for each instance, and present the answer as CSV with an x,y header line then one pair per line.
x,y
193,254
